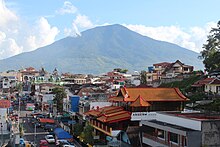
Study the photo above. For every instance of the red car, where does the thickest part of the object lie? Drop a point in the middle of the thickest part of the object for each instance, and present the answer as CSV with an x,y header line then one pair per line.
x,y
14,117
43,143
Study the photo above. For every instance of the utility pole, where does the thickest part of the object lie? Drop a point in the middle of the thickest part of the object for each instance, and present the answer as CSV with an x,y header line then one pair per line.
x,y
2,141
35,130
19,109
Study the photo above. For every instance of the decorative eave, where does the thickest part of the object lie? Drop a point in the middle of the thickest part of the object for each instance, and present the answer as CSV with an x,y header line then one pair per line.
x,y
140,102
115,117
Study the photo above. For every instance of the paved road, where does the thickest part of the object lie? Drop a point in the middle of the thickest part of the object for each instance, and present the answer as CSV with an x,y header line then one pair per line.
x,y
29,128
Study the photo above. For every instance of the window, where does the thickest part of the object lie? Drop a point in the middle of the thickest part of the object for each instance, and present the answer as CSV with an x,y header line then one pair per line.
x,y
174,137
185,141
218,89
160,133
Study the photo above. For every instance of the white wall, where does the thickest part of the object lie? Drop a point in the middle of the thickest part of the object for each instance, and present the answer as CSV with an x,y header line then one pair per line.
x,y
99,104
3,113
180,121
47,97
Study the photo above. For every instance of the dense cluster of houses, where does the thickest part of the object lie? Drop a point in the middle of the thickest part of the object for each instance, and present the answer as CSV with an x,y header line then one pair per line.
x,y
121,112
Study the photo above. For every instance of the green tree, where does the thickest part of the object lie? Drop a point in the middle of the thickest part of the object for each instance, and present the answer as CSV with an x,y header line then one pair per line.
x,y
211,52
78,128
121,70
59,94
88,134
143,77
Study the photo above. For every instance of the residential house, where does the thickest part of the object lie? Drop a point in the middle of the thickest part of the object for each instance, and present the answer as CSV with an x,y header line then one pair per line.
x,y
155,73
208,85
177,68
115,79
5,123
7,83
91,98
74,78
135,78
44,96
167,72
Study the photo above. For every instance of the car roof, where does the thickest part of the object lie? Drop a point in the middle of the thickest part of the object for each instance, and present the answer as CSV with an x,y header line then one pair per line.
x,y
49,135
63,140
43,140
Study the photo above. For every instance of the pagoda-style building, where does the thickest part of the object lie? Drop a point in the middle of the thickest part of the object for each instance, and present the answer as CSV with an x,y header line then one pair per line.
x,y
150,99
130,106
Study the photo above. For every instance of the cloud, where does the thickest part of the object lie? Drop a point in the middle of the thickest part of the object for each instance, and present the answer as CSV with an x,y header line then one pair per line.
x,y
6,15
68,8
83,21
43,34
80,23
74,32
192,38
11,47
16,36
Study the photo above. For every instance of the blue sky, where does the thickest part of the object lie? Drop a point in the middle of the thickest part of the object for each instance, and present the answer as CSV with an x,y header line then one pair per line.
x,y
29,24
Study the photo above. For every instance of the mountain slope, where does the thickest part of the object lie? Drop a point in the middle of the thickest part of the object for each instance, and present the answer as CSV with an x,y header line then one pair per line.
x,y
101,49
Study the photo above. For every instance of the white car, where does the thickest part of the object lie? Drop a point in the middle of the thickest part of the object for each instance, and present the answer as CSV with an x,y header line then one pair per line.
x,y
50,138
64,143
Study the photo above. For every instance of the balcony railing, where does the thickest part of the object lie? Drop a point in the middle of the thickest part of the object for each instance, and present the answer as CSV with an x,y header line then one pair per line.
x,y
161,141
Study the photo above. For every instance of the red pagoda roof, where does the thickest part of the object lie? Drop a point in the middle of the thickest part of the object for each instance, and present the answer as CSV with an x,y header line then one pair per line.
x,y
115,117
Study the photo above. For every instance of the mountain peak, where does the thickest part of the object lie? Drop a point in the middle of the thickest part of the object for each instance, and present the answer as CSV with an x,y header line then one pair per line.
x,y
102,49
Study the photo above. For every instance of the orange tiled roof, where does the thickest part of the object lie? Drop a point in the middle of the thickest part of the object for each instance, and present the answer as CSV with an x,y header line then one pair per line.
x,y
153,94
115,117
92,112
140,102
104,110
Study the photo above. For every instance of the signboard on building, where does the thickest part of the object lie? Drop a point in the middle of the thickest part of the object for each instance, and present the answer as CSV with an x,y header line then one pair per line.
x,y
96,137
5,104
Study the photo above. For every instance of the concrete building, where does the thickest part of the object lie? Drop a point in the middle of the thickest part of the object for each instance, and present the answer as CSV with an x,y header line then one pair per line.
x,y
179,129
5,125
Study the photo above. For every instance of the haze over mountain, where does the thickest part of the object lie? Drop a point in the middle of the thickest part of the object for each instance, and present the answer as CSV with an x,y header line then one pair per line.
x,y
100,50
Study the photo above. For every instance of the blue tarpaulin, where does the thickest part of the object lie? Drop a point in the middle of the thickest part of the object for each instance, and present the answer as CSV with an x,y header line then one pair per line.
x,y
62,134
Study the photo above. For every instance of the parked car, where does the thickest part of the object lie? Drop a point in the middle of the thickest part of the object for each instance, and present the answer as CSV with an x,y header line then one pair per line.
x,y
65,143
50,138
22,142
14,117
43,143
49,127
